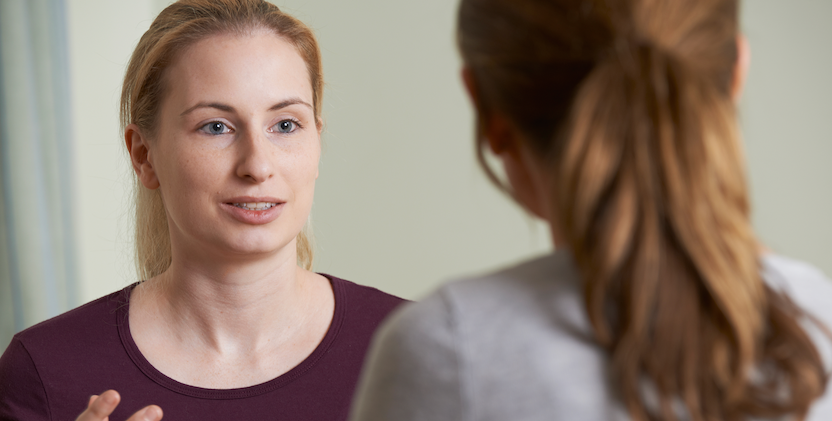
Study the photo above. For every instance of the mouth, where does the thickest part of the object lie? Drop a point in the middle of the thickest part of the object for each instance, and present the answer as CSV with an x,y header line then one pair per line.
x,y
253,210
254,206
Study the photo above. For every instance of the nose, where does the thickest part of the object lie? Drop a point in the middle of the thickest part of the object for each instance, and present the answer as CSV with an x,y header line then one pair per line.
x,y
255,163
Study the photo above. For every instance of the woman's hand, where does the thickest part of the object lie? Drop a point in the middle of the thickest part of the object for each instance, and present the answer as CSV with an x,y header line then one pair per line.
x,y
100,407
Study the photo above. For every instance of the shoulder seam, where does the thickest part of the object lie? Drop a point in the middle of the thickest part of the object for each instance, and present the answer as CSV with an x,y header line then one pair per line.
x,y
40,379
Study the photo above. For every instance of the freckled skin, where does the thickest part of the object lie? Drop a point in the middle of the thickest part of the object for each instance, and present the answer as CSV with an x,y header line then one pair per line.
x,y
197,170
233,309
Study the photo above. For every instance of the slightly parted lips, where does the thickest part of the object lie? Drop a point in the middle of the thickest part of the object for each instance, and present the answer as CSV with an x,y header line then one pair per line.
x,y
254,203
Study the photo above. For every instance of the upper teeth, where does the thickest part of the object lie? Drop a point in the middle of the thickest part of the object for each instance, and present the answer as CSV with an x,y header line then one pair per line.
x,y
255,205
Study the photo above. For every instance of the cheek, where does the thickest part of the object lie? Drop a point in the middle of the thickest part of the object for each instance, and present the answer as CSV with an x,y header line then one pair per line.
x,y
520,182
186,176
202,168
300,168
300,172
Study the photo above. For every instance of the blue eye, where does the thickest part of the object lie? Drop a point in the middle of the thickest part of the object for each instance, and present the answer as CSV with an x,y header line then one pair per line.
x,y
286,126
215,128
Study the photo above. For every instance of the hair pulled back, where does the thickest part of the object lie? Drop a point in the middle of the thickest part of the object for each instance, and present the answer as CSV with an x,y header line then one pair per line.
x,y
178,26
629,102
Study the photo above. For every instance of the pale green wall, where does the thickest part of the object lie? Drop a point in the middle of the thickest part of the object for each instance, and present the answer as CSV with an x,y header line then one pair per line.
x,y
787,122
102,34
400,203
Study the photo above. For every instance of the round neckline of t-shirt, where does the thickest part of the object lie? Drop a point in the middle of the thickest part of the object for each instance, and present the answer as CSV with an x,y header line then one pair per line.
x,y
244,392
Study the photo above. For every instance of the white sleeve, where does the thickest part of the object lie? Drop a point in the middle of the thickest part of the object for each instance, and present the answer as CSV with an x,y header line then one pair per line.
x,y
413,367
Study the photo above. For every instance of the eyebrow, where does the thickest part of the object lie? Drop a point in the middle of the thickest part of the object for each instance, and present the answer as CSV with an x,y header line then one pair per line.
x,y
228,108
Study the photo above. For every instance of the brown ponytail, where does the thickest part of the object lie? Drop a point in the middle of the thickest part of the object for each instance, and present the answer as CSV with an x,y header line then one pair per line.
x,y
630,104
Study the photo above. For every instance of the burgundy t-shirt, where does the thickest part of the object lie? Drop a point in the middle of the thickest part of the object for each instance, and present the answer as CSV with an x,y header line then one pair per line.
x,y
50,370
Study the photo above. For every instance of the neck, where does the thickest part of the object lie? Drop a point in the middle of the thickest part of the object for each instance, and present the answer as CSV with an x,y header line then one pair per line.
x,y
230,303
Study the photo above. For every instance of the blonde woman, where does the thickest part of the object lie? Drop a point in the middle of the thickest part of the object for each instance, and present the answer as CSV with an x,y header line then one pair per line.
x,y
221,109
615,121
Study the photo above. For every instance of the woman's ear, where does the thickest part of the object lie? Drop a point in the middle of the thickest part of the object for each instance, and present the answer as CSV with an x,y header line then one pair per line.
x,y
139,150
741,67
495,127
524,178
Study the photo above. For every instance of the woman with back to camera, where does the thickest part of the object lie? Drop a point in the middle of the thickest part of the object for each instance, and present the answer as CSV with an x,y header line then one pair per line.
x,y
221,113
615,121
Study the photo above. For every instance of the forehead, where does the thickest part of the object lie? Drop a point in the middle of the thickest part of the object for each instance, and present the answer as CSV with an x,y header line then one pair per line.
x,y
251,67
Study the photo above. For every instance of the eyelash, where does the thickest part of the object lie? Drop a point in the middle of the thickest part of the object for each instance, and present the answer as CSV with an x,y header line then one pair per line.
x,y
204,127
294,121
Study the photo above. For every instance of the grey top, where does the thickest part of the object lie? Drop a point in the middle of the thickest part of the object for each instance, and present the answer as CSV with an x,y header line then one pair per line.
x,y
517,345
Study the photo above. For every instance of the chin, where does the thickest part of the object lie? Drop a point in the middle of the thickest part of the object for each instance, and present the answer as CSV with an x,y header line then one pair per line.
x,y
259,245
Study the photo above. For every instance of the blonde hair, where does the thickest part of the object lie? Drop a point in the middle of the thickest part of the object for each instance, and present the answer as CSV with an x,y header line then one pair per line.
x,y
178,26
629,103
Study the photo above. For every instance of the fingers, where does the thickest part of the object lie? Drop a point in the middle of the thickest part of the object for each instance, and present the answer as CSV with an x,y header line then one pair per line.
x,y
148,413
100,407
